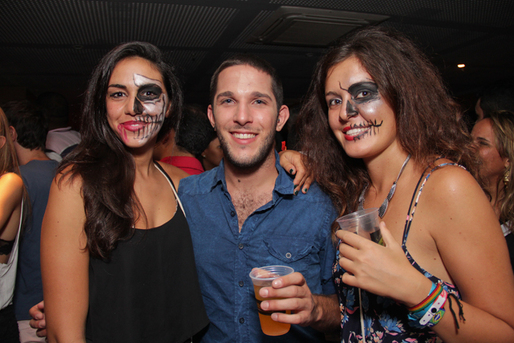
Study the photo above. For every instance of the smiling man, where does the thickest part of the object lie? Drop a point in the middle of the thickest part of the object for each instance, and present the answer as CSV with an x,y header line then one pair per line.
x,y
244,214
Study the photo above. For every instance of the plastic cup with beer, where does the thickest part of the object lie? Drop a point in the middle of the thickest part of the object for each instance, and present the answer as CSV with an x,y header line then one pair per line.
x,y
263,277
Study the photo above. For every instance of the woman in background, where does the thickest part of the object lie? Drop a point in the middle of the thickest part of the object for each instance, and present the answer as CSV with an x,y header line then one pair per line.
x,y
11,194
495,138
116,253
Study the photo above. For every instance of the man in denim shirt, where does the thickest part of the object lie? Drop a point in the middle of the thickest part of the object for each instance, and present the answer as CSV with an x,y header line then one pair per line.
x,y
244,214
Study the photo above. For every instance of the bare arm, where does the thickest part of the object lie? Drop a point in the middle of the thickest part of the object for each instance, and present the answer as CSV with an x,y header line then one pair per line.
x,y
11,192
65,263
472,250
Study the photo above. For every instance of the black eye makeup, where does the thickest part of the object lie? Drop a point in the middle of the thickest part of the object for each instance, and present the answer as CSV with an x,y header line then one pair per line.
x,y
149,93
362,92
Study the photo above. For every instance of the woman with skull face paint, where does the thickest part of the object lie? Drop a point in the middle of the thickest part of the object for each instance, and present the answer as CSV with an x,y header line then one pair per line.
x,y
116,254
380,130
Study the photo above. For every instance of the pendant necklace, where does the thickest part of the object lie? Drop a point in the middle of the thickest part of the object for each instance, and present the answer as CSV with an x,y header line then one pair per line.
x,y
383,208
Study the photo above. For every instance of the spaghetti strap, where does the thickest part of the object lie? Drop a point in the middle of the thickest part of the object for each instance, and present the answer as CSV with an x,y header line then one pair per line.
x,y
416,195
159,167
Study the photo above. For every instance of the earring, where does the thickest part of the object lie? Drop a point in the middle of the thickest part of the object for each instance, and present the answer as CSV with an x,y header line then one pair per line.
x,y
506,176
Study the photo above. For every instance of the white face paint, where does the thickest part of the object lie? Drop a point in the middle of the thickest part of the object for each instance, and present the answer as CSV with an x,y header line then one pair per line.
x,y
136,101
149,107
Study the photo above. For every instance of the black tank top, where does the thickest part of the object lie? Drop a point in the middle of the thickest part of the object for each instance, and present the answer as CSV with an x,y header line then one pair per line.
x,y
148,291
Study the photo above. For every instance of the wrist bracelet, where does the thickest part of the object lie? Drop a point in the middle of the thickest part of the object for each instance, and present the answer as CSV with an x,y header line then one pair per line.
x,y
431,310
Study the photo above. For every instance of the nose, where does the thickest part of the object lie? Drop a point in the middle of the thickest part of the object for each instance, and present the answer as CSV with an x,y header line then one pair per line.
x,y
134,107
347,109
243,115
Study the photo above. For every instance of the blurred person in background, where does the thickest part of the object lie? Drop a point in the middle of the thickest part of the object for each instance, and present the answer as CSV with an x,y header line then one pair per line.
x,y
183,147
11,212
29,129
495,138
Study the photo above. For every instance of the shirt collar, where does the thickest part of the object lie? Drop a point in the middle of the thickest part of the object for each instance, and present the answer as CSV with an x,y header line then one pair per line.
x,y
283,185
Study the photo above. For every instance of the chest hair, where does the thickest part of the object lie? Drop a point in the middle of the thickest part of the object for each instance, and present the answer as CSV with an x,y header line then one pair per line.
x,y
246,203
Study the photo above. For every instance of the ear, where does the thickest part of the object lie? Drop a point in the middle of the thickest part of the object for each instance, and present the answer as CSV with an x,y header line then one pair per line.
x,y
2,141
14,134
283,116
168,109
210,114
506,162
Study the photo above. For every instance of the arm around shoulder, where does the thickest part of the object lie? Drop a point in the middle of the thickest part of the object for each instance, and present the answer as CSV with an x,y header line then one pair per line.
x,y
65,262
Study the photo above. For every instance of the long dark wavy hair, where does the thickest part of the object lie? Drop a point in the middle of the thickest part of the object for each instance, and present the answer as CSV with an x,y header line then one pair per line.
x,y
102,160
427,118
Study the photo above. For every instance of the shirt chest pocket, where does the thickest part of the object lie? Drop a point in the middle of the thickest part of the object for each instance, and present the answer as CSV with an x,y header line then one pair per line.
x,y
290,250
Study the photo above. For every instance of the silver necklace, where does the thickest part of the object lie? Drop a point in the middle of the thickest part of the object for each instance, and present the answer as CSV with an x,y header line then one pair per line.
x,y
383,208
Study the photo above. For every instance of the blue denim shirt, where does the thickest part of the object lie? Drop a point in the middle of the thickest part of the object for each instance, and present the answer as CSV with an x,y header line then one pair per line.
x,y
289,230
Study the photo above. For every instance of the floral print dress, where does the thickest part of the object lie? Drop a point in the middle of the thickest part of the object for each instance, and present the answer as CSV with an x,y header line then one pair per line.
x,y
385,320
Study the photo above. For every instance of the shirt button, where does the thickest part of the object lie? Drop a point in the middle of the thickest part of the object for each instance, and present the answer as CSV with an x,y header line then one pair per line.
x,y
241,283
288,255
241,246
232,213
242,320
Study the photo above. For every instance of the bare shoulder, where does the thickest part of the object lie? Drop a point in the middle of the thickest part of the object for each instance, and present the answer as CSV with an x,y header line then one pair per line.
x,y
453,183
11,179
456,203
175,173
67,181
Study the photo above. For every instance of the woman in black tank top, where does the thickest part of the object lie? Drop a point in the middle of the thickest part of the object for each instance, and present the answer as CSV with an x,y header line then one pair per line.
x,y
116,254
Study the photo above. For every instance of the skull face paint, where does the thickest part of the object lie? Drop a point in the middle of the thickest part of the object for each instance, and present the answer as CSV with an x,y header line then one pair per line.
x,y
362,95
360,118
149,108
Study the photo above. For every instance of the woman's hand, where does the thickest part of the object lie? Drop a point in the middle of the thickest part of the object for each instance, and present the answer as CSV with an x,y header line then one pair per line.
x,y
382,270
292,162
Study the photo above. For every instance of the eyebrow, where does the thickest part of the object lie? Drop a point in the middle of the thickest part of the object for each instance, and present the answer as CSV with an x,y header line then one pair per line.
x,y
115,85
331,93
482,139
261,95
227,93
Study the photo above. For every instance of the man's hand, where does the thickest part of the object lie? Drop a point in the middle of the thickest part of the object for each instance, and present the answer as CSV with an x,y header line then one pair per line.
x,y
37,312
307,309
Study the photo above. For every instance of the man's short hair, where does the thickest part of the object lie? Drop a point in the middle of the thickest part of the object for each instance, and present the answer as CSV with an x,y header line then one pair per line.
x,y
29,123
255,62
194,132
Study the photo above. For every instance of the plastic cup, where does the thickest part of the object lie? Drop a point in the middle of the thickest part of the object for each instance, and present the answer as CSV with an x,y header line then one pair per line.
x,y
263,277
365,223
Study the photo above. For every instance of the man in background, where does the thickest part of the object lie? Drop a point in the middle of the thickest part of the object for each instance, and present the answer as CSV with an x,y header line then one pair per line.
x,y
29,130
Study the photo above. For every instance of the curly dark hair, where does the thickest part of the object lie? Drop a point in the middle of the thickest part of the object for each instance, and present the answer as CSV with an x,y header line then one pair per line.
x,y
101,159
427,118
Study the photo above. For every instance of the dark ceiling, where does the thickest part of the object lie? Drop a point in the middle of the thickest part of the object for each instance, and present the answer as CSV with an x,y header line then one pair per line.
x,y
54,44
